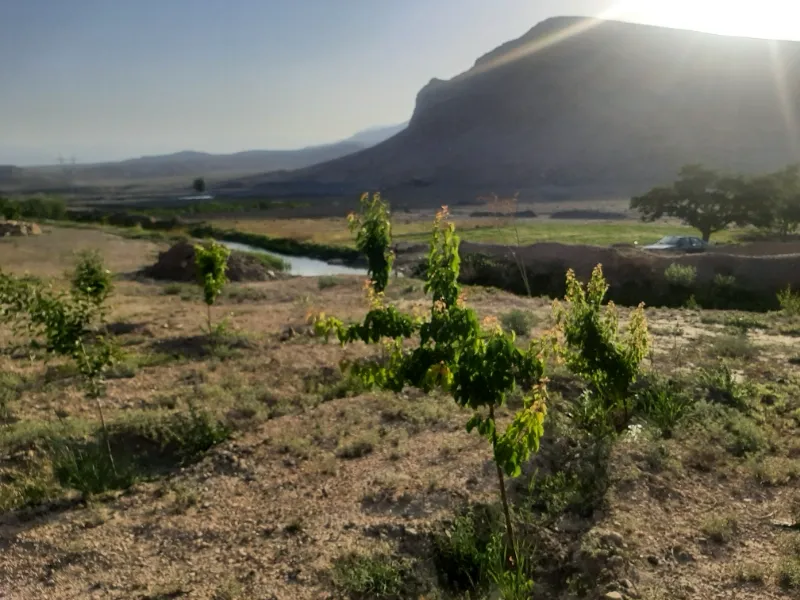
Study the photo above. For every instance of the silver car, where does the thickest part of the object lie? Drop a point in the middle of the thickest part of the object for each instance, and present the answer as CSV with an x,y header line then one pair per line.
x,y
678,243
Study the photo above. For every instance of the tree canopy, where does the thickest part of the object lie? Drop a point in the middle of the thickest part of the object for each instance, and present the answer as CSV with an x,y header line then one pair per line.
x,y
712,201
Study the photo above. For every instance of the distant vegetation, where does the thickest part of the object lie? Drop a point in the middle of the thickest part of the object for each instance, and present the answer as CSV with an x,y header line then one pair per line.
x,y
712,201
199,185
33,208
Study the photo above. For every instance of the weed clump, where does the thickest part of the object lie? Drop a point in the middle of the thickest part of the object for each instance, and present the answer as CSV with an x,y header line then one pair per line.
x,y
519,321
365,577
789,302
720,530
680,276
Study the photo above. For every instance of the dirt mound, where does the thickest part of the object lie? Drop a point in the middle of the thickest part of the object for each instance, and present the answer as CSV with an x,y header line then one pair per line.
x,y
14,228
177,264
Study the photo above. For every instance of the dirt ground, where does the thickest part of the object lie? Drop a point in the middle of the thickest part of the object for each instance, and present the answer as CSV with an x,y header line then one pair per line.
x,y
317,469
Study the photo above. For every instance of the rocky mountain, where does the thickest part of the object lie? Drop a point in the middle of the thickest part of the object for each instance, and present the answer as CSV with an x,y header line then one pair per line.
x,y
581,108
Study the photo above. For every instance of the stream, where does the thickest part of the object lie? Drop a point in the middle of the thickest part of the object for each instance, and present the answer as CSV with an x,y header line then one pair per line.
x,y
300,265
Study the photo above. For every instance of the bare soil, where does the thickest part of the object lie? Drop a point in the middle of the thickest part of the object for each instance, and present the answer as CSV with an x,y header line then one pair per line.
x,y
265,514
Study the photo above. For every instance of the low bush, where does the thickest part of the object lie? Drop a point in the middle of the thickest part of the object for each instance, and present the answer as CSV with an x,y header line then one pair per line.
x,y
327,281
734,346
663,403
789,302
366,577
720,530
460,551
519,321
90,278
722,386
681,276
88,469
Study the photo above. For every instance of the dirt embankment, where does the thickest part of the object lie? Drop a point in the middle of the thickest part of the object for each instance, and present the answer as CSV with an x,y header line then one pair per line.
x,y
177,264
722,279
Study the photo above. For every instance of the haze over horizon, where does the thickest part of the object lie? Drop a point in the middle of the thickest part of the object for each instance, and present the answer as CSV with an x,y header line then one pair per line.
x,y
106,82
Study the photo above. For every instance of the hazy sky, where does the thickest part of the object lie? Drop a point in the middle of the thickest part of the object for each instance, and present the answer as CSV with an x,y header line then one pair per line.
x,y
108,79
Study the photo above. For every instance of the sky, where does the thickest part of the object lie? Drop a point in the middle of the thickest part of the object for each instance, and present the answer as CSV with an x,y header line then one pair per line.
x,y
111,79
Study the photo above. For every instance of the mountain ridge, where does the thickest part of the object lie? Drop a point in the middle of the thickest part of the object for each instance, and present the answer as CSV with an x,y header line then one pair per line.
x,y
581,107
191,163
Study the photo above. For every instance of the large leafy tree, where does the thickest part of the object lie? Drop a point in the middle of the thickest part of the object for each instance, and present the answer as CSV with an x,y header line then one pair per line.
x,y
773,200
700,197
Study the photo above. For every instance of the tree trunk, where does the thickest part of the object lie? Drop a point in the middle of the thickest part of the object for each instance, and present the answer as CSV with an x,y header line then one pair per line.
x,y
105,434
706,233
503,498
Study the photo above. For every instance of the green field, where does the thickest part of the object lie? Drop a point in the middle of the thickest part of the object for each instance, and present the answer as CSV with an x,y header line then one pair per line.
x,y
571,232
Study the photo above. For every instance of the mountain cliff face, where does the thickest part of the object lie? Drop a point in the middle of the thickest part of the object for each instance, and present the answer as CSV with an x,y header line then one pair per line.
x,y
581,107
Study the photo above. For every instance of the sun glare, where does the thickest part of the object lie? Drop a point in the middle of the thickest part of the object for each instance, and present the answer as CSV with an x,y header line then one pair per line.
x,y
778,19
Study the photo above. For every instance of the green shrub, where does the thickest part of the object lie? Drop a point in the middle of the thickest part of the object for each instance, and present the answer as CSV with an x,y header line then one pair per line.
x,y
751,573
596,350
663,404
682,276
460,552
725,427
33,208
776,470
746,436
270,261
744,322
723,387
720,530
519,321
724,282
357,448
173,289
327,281
91,278
29,488
365,577
88,469
789,301
734,346
789,573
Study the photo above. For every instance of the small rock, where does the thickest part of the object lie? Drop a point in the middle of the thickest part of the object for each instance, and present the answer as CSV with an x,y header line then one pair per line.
x,y
616,562
654,560
613,538
613,596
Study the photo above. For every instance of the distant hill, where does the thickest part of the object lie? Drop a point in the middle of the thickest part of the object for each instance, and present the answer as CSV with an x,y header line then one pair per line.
x,y
190,164
580,108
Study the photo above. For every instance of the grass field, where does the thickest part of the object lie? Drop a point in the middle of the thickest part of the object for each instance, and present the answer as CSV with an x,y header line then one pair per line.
x,y
297,483
490,230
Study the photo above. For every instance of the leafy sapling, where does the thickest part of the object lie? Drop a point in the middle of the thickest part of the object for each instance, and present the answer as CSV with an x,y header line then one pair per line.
x,y
595,349
211,262
67,324
373,229
478,366
90,278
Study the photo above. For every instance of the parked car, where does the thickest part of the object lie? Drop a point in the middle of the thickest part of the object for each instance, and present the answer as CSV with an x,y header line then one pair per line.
x,y
678,243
